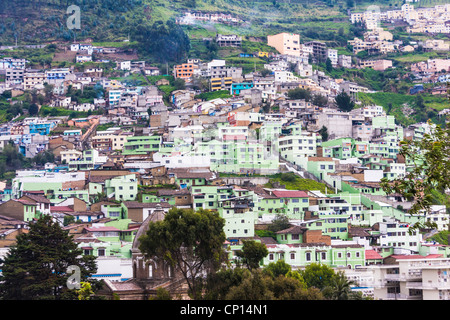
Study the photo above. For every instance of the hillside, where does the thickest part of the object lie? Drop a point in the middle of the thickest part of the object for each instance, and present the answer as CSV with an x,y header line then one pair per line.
x,y
40,21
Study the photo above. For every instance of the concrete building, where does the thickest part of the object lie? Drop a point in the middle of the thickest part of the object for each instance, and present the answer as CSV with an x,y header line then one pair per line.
x,y
285,43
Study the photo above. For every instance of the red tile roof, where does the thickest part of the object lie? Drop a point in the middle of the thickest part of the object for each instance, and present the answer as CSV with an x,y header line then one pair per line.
x,y
417,256
372,255
290,194
60,209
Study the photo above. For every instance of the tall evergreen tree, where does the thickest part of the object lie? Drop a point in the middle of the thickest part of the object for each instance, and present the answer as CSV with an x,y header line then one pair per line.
x,y
344,102
36,267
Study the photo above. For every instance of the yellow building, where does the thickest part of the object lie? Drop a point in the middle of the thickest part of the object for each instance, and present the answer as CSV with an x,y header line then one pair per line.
x,y
223,83
263,54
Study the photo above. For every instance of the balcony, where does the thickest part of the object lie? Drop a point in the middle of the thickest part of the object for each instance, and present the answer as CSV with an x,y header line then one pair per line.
x,y
401,296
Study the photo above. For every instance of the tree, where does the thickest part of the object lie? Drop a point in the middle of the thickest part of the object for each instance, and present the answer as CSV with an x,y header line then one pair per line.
x,y
339,288
279,222
255,285
319,100
317,275
259,285
265,72
252,253
344,102
299,93
428,160
85,292
324,133
191,242
328,65
36,267
33,109
279,268
164,41
218,284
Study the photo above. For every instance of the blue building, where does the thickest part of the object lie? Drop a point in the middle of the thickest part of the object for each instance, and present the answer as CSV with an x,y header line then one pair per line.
x,y
41,128
237,87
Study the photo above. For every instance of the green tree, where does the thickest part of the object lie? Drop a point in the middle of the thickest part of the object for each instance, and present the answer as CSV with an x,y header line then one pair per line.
x,y
279,268
218,284
317,275
164,41
255,285
36,267
299,93
33,109
279,222
428,161
85,292
319,100
328,65
191,242
339,288
344,102
252,253
324,133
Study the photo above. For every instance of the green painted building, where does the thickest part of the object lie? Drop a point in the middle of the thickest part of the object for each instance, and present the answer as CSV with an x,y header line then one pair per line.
x,y
136,145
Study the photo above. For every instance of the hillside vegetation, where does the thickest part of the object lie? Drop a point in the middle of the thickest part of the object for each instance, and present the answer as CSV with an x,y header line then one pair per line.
x,y
38,21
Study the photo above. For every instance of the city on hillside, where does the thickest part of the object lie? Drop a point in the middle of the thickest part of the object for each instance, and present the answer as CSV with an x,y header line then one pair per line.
x,y
290,132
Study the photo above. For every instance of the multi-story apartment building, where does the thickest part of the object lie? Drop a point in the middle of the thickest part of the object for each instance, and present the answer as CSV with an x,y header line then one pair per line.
x,y
398,235
33,79
141,145
122,188
319,50
184,71
230,40
89,160
14,76
285,43
70,155
56,76
412,277
296,148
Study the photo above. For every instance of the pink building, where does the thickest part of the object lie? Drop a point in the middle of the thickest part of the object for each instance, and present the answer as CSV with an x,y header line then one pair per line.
x,y
285,43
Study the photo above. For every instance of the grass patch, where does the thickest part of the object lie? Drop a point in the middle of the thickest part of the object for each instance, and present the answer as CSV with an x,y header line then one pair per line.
x,y
293,182
214,95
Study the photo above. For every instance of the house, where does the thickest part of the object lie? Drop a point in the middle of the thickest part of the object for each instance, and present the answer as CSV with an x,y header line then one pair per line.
x,y
42,203
10,228
18,209
151,71
139,212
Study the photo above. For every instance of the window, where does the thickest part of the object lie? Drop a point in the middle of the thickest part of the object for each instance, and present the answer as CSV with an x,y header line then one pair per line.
x,y
101,252
308,256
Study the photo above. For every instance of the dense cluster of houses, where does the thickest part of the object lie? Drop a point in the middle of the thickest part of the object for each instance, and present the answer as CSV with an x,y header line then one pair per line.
x,y
431,20
142,157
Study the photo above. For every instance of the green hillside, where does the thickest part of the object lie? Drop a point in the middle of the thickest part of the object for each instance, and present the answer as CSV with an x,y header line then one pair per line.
x,y
34,21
